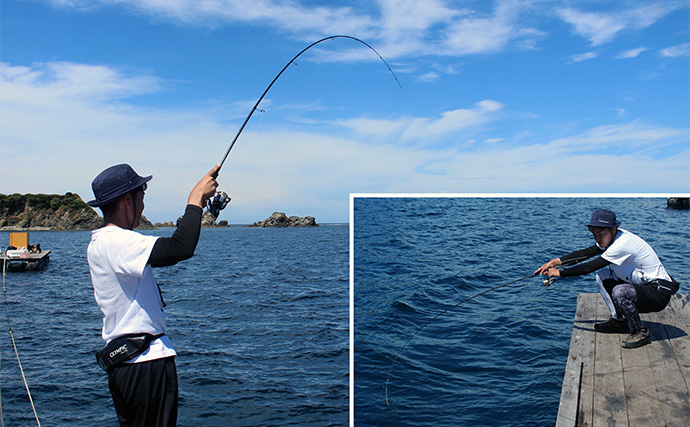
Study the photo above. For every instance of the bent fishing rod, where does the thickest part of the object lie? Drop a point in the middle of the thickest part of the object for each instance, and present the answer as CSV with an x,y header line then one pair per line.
x,y
545,282
256,106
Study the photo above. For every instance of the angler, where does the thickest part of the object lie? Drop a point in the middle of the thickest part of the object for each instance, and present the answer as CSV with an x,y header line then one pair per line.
x,y
630,276
138,357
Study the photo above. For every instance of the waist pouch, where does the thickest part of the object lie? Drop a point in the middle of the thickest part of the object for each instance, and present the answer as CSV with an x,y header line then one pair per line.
x,y
123,348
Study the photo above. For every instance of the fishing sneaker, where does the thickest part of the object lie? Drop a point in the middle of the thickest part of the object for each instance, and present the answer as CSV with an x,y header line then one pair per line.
x,y
637,339
612,326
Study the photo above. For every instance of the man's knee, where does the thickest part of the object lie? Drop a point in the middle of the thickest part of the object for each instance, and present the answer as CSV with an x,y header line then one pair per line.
x,y
622,292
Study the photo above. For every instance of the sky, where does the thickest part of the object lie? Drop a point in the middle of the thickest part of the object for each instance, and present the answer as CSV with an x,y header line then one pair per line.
x,y
503,96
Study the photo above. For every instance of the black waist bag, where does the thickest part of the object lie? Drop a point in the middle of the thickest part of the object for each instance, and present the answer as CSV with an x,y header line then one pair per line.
x,y
123,348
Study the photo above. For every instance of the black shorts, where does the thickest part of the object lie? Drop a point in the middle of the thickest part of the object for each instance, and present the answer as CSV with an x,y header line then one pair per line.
x,y
654,296
145,394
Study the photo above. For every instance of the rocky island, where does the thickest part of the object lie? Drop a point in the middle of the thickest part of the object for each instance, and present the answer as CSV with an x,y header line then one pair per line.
x,y
47,212
279,219
51,212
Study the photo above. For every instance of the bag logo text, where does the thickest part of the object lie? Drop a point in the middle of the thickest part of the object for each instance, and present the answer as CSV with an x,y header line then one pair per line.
x,y
119,350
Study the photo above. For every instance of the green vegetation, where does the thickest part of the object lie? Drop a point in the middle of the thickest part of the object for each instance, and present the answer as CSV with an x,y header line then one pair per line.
x,y
16,203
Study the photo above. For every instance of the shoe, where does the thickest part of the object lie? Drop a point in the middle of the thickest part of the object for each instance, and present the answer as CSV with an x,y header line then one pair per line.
x,y
612,326
637,339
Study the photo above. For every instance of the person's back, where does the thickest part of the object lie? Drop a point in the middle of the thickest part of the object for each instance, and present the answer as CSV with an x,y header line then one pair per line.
x,y
125,288
634,260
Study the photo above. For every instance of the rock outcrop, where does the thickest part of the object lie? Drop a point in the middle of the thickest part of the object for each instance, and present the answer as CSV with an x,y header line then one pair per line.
x,y
678,203
51,212
207,220
144,224
47,211
279,219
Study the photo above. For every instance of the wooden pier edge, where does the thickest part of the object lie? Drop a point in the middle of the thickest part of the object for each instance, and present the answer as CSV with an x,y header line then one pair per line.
x,y
605,384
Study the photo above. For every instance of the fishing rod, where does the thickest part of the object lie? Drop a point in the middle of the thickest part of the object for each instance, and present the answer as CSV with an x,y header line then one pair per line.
x,y
256,106
545,282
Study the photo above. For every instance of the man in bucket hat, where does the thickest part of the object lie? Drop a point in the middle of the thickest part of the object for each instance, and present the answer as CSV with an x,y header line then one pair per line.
x,y
631,278
139,357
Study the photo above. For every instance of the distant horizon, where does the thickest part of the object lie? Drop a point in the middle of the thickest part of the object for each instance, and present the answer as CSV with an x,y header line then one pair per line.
x,y
352,196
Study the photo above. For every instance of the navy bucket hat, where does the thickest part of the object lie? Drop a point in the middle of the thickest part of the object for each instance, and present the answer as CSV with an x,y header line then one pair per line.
x,y
115,182
603,218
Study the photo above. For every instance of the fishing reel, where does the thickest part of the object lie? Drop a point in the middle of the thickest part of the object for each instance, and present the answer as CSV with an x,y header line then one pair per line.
x,y
548,281
218,202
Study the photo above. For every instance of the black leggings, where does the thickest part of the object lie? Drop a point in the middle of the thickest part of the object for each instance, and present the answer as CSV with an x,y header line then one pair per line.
x,y
631,300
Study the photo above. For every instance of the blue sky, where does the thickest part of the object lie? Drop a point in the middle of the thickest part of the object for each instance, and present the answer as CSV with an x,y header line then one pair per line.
x,y
502,96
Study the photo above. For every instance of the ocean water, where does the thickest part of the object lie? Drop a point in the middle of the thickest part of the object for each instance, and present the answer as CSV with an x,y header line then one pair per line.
x,y
259,318
498,359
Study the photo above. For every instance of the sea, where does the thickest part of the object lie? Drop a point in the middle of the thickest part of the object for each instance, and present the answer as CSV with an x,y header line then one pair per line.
x,y
259,318
498,358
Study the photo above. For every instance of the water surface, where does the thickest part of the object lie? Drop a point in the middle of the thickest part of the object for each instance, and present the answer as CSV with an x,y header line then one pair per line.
x,y
259,318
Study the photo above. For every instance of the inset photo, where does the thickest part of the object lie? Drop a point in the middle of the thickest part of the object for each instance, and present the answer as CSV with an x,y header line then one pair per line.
x,y
519,310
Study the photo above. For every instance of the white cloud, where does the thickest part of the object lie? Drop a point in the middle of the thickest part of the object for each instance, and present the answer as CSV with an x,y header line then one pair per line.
x,y
288,15
603,27
675,51
631,53
474,34
599,28
400,18
635,136
399,27
451,121
408,28
374,127
431,76
70,121
424,130
63,80
583,56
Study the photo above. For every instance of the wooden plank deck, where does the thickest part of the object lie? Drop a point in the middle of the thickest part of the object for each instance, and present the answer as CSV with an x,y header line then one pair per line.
x,y
607,385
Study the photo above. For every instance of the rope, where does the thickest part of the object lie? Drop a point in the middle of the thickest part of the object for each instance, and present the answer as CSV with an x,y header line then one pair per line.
x,y
16,352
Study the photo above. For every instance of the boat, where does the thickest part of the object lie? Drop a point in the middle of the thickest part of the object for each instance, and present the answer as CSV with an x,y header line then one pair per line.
x,y
20,256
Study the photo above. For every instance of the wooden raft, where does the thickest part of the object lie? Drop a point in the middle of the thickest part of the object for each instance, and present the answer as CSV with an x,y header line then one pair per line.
x,y
607,385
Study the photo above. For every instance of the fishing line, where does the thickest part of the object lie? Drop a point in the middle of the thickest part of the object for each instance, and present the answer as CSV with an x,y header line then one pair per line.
x,y
563,264
436,317
246,154
256,131
16,352
251,112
